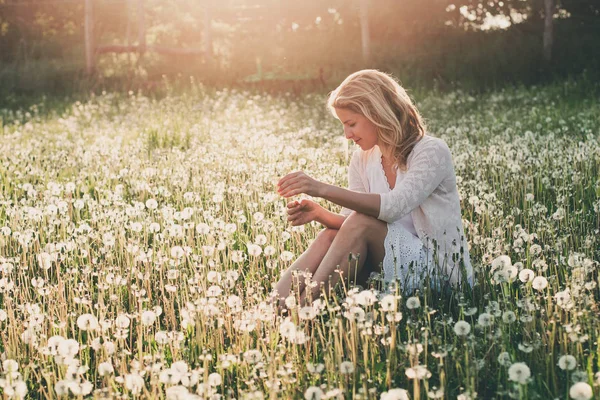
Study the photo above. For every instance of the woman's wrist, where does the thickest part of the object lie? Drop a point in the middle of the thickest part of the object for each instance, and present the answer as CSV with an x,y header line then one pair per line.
x,y
319,214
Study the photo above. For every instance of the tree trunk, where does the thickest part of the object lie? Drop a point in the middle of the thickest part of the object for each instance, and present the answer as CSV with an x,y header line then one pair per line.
x,y
89,37
364,30
548,29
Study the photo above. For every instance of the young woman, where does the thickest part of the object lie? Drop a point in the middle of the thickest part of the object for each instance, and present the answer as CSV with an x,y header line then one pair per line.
x,y
401,208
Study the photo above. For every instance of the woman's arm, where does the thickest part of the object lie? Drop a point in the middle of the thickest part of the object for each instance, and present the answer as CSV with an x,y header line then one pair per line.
x,y
365,203
329,219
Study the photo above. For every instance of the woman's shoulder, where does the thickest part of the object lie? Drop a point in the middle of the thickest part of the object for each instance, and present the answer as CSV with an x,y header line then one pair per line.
x,y
431,144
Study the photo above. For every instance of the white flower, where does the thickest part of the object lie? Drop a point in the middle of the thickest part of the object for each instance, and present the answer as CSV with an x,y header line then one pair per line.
x,y
134,383
395,394
202,229
307,313
178,393
148,317
504,359
567,362
169,376
87,322
519,372
215,379
526,275
177,252
485,319
581,391
346,367
10,366
122,321
539,283
509,317
286,256
412,303
501,262
252,356
462,328
418,372
253,249
388,303
287,329
313,393
105,368
151,204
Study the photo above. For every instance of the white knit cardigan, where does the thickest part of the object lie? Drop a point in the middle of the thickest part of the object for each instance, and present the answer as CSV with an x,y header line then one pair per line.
x,y
428,191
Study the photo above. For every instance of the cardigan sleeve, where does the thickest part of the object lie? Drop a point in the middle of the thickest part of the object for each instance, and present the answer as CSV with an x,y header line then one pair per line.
x,y
430,164
355,182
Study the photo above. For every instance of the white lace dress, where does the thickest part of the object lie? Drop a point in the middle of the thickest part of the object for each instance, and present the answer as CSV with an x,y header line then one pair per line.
x,y
406,258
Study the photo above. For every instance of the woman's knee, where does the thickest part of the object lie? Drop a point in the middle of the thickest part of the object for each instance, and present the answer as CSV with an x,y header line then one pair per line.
x,y
327,235
359,221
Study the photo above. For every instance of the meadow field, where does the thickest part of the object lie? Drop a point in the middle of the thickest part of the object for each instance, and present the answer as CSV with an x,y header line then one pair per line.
x,y
140,238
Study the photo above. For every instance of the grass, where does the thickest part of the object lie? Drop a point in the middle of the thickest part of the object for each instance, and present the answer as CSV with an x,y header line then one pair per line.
x,y
125,220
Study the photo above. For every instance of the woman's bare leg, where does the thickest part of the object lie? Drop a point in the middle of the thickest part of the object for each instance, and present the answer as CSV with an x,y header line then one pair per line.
x,y
360,234
308,261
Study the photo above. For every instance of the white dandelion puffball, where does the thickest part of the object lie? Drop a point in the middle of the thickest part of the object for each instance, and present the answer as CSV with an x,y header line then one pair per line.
x,y
314,393
395,394
388,303
526,275
462,328
581,391
519,372
485,319
501,262
105,368
504,359
286,256
134,383
539,283
122,321
418,372
215,379
87,322
346,367
148,317
412,303
567,362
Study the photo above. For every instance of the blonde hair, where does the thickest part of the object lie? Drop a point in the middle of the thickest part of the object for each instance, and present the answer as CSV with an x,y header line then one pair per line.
x,y
380,98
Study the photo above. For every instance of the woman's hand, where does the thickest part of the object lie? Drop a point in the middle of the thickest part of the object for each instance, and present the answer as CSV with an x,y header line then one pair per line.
x,y
302,212
298,182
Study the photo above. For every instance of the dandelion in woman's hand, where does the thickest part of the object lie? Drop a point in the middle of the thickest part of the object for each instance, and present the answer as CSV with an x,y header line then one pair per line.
x,y
519,372
462,328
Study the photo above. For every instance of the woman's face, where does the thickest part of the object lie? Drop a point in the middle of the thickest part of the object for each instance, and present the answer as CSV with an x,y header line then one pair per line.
x,y
358,128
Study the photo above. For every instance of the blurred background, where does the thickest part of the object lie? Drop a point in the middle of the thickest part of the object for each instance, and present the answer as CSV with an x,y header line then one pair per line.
x,y
65,46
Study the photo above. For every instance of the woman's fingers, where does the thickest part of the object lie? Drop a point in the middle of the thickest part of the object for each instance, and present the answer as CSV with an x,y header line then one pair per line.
x,y
291,175
289,184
